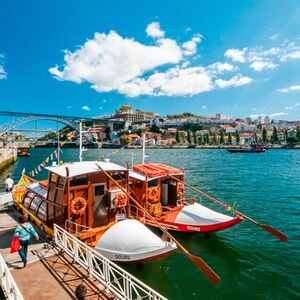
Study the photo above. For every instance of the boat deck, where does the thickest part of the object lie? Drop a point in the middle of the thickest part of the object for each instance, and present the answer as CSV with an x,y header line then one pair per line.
x,y
49,273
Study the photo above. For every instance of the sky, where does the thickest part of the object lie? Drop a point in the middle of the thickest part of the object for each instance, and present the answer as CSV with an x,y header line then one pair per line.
x,y
87,58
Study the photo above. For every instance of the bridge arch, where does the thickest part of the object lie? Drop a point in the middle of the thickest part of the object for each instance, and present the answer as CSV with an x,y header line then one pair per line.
x,y
29,118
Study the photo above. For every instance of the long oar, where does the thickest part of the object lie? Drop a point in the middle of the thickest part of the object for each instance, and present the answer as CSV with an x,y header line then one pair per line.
x,y
201,264
267,228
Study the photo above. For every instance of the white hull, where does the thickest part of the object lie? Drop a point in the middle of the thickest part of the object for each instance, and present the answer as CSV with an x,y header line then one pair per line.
x,y
130,240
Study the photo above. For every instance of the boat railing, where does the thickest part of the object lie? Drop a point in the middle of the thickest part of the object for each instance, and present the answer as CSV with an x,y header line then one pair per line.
x,y
79,229
8,283
116,280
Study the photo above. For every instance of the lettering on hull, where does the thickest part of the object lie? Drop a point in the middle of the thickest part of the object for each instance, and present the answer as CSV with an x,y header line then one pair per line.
x,y
193,228
122,257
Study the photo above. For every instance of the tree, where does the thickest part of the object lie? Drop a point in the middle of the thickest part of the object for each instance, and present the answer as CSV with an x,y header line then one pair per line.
x,y
298,134
177,137
195,137
238,138
255,137
222,137
286,135
201,140
154,128
229,138
189,136
215,138
264,135
124,139
207,139
275,135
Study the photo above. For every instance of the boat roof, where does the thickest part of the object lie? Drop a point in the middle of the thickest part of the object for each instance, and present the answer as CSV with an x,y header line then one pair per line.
x,y
38,189
84,167
151,171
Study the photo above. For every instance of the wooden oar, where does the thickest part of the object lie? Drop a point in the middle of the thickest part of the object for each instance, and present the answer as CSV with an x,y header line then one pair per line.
x,y
201,264
267,228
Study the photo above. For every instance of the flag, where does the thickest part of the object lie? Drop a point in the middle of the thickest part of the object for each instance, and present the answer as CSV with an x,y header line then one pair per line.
x,y
32,173
47,159
36,172
44,164
39,169
51,156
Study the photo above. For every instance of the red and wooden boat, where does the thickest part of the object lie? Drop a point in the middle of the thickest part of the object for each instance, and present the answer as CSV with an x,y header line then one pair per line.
x,y
159,188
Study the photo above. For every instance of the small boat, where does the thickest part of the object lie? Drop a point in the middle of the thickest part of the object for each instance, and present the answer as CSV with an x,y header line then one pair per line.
x,y
79,197
159,189
23,151
253,149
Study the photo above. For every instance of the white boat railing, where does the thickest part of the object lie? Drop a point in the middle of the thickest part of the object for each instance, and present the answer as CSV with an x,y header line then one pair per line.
x,y
8,283
116,280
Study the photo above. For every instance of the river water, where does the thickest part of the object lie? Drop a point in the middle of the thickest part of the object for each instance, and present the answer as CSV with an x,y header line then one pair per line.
x,y
252,264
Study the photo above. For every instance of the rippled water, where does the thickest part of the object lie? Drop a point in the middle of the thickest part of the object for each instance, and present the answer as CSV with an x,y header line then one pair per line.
x,y
251,263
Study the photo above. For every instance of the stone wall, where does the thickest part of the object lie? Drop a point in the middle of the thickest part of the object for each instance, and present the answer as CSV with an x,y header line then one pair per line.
x,y
7,157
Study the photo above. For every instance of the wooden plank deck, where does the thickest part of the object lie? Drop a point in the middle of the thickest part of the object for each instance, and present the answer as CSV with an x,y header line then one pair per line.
x,y
49,274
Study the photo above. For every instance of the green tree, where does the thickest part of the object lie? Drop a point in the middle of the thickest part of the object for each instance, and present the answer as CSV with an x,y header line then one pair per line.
x,y
154,128
124,139
275,138
238,138
222,137
298,134
286,135
201,140
207,139
255,137
177,137
229,138
215,138
264,135
189,136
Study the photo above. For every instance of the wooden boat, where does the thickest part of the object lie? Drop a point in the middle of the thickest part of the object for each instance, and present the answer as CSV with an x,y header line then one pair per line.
x,y
88,204
159,189
23,151
252,149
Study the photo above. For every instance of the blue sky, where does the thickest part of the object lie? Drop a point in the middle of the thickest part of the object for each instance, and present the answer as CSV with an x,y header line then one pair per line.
x,y
87,58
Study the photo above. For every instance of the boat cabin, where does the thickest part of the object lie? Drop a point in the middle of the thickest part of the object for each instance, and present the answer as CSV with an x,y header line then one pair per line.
x,y
79,192
155,189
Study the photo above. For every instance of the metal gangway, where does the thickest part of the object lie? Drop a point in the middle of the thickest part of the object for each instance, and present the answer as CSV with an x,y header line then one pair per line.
x,y
112,277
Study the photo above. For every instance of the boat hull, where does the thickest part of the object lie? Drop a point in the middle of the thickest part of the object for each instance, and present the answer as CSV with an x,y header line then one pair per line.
x,y
131,241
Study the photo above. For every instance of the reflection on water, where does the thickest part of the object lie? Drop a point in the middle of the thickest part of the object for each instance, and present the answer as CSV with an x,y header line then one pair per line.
x,y
251,263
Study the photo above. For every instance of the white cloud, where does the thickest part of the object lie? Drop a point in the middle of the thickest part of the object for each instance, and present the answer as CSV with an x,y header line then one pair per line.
x,y
104,101
153,30
254,109
274,36
190,47
219,67
3,74
236,55
100,107
235,81
108,60
288,107
204,106
85,107
255,116
258,66
290,89
290,55
278,114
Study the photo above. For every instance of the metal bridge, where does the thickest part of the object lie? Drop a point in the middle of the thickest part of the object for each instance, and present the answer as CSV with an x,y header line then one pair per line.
x,y
21,118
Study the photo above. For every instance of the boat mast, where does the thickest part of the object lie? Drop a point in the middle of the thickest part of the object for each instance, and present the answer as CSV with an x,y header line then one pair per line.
x,y
143,149
58,147
80,141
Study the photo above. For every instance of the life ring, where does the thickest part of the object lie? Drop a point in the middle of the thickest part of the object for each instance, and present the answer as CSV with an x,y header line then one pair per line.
x,y
152,194
78,206
180,188
155,210
120,200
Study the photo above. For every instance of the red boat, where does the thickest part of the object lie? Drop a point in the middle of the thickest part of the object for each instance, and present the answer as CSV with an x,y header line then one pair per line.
x,y
159,188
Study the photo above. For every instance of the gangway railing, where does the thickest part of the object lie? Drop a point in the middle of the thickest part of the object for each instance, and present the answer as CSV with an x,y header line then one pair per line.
x,y
8,283
118,281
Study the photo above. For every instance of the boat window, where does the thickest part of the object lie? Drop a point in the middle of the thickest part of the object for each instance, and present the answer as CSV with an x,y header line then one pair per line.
x,y
152,183
82,180
118,176
53,178
61,182
41,211
99,190
27,199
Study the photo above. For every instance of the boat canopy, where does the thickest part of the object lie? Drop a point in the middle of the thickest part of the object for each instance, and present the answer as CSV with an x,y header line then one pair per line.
x,y
153,170
85,167
38,189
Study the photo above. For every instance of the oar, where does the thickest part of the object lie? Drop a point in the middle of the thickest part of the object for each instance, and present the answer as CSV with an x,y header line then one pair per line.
x,y
267,228
201,264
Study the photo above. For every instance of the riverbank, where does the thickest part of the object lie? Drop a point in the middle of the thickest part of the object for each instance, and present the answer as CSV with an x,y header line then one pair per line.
x,y
7,157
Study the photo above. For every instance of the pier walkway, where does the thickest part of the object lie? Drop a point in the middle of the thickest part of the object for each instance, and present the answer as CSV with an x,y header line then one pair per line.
x,y
54,270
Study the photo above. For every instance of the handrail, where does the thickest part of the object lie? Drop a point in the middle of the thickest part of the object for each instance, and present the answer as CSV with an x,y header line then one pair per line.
x,y
8,282
121,283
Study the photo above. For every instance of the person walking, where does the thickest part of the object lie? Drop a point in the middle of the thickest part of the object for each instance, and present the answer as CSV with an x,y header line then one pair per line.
x,y
24,231
9,184
81,292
